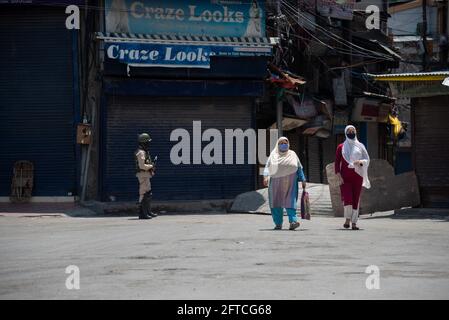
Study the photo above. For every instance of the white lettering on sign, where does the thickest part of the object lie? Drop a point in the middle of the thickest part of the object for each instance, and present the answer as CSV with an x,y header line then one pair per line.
x,y
168,54
137,10
114,52
140,11
191,56
216,16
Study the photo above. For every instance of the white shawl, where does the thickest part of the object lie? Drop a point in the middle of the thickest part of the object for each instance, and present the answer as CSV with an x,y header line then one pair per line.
x,y
354,150
281,164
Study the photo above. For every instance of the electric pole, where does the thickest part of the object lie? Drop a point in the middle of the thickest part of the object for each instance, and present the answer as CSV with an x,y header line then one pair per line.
x,y
424,34
279,95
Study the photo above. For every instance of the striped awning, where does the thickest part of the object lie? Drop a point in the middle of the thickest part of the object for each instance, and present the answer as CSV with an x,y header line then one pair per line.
x,y
415,84
188,40
410,76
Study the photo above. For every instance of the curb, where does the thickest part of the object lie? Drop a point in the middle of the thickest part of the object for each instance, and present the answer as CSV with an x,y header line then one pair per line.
x,y
179,207
422,213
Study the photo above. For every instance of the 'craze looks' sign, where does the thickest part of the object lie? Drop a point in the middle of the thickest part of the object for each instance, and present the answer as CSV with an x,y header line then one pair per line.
x,y
172,55
234,18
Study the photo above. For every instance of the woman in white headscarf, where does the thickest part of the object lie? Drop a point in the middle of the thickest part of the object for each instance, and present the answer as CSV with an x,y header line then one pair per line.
x,y
282,173
351,167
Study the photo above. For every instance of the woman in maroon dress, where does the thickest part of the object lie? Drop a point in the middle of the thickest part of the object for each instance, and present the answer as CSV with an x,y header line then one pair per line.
x,y
351,168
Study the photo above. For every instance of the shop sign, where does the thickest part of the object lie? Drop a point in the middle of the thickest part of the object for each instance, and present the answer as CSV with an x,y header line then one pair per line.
x,y
43,2
245,18
176,55
370,110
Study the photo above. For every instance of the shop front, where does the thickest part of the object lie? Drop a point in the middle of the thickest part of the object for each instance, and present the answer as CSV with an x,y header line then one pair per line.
x,y
39,99
430,141
428,97
181,81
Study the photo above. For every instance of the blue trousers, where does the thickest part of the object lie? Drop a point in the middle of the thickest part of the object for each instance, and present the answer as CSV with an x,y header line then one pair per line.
x,y
278,215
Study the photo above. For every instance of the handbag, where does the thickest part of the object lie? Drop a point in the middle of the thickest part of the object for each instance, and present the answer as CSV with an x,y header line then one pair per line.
x,y
305,205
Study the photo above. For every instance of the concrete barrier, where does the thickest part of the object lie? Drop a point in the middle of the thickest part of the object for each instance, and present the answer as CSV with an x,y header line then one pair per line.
x,y
257,201
388,191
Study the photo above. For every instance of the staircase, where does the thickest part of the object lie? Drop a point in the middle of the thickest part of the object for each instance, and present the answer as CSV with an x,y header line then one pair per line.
x,y
320,199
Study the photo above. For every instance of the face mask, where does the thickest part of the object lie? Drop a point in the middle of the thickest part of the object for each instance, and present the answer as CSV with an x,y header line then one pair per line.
x,y
283,147
351,136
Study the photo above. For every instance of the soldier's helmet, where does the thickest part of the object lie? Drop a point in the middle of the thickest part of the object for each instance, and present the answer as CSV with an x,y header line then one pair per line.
x,y
144,138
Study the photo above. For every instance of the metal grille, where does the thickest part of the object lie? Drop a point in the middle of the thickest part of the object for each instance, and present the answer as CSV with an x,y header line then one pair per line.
x,y
431,152
36,98
127,116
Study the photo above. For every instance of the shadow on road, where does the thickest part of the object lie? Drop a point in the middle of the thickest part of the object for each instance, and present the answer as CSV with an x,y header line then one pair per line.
x,y
283,230
343,229
414,214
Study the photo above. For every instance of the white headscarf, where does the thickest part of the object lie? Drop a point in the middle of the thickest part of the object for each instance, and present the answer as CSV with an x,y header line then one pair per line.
x,y
354,150
281,164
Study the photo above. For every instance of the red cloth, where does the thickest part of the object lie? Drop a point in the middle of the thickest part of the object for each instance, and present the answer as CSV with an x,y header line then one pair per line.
x,y
352,182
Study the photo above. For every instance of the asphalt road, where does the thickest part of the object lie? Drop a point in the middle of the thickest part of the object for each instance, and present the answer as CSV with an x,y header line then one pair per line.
x,y
222,256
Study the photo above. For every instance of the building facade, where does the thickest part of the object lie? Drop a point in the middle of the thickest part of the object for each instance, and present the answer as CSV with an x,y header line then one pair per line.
x,y
429,101
179,71
329,45
39,98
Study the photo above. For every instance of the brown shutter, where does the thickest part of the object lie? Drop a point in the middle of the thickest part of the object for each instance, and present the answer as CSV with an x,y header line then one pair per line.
x,y
431,149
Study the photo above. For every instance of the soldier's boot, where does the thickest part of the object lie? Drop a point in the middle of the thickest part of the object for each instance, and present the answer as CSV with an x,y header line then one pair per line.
x,y
149,199
142,210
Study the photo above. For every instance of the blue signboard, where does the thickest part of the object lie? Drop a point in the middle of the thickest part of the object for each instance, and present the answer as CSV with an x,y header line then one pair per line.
x,y
44,2
176,55
235,18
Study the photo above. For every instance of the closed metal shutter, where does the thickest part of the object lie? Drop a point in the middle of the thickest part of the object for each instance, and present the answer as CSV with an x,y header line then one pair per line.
x,y
293,138
431,141
128,116
36,98
313,160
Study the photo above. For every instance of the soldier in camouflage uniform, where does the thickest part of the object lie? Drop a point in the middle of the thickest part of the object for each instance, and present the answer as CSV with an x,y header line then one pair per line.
x,y
144,172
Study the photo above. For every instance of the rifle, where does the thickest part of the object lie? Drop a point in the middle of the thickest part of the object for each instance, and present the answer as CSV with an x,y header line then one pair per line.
x,y
154,165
